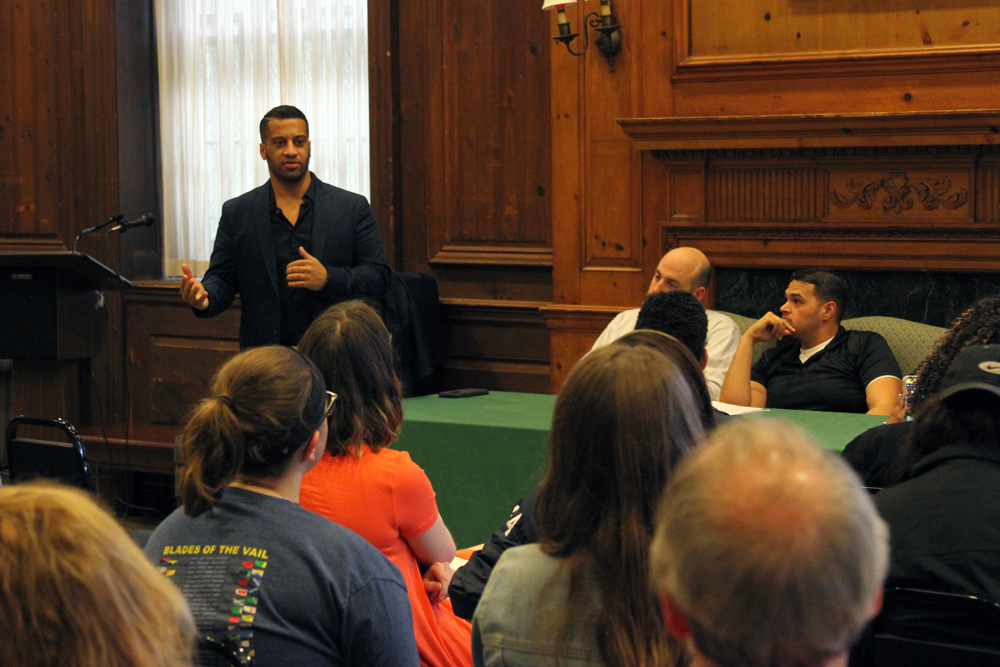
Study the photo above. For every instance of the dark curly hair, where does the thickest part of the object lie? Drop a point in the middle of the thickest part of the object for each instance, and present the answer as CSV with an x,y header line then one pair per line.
x,y
979,325
676,313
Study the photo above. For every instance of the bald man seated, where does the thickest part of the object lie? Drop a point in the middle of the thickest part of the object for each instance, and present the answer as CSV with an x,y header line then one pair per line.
x,y
767,551
817,364
688,270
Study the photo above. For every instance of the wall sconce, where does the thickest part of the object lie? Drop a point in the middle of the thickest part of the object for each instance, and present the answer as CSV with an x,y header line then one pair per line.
x,y
609,41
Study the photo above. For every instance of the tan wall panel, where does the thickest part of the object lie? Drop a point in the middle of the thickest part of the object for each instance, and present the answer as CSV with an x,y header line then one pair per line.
x,y
610,238
745,27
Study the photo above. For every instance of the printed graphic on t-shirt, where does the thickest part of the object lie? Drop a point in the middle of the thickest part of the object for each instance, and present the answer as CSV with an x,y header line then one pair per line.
x,y
221,583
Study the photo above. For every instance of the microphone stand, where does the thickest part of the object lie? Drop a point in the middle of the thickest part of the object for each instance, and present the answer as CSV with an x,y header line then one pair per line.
x,y
117,217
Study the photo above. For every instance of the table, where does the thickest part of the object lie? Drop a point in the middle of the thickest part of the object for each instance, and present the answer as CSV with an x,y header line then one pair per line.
x,y
482,453
830,430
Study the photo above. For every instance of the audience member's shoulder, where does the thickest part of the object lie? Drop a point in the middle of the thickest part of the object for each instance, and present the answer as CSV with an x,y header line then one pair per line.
x,y
873,452
517,559
343,547
720,319
861,337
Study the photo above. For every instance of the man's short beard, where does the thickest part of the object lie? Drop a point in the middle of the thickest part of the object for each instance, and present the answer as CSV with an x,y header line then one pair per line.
x,y
288,178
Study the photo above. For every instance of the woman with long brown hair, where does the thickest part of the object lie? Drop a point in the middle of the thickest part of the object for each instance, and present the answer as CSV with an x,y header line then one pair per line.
x,y
469,581
623,420
376,491
281,584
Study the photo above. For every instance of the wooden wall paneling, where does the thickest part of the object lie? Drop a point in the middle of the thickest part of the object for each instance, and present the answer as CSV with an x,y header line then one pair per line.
x,y
22,164
63,167
9,182
383,68
845,94
789,59
737,246
173,354
568,108
892,207
611,236
987,200
610,241
138,138
602,252
48,388
93,171
762,28
651,31
496,156
418,154
572,332
496,346
475,181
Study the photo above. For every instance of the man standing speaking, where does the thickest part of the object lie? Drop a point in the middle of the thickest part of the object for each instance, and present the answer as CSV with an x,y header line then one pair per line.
x,y
291,247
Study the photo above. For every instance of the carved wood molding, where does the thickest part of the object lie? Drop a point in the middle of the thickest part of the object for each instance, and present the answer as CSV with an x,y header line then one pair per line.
x,y
900,194
495,304
880,62
570,318
672,235
967,249
798,131
493,256
936,152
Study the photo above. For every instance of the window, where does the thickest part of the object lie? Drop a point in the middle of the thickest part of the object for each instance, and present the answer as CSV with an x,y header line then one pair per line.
x,y
222,65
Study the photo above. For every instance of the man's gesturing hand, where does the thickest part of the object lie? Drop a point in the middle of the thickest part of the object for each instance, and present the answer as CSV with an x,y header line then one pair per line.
x,y
192,291
307,272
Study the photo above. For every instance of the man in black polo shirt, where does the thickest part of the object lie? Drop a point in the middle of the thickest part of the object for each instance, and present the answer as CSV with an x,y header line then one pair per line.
x,y
817,364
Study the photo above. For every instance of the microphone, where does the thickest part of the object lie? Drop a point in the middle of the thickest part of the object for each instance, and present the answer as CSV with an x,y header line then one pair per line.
x,y
145,220
117,217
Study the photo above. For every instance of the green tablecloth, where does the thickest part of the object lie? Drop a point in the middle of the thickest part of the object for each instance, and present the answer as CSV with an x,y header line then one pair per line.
x,y
830,430
482,453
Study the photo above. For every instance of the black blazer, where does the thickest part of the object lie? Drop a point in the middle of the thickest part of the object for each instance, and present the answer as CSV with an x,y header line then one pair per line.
x,y
345,238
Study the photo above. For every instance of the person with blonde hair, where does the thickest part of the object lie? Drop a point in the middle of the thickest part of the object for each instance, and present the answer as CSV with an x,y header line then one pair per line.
x,y
75,590
581,596
380,492
281,584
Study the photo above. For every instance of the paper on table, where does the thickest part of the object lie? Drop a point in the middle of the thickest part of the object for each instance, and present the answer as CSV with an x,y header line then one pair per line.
x,y
462,556
731,409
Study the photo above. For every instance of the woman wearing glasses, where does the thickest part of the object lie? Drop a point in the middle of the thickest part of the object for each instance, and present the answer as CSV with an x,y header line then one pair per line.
x,y
260,573
379,492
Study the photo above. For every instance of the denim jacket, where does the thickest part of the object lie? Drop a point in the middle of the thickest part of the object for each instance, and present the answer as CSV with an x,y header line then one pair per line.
x,y
516,622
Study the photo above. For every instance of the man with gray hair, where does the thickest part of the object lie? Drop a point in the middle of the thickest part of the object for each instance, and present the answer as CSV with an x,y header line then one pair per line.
x,y
767,553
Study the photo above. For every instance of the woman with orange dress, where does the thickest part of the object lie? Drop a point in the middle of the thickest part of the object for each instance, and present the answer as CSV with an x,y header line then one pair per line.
x,y
378,492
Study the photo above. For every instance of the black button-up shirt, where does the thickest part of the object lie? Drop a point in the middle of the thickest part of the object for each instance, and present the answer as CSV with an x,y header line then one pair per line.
x,y
296,302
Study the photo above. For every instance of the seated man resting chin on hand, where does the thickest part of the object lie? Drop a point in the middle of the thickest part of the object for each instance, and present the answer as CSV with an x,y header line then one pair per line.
x,y
817,364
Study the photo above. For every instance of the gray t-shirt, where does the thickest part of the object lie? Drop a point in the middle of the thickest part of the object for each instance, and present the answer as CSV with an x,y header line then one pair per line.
x,y
290,586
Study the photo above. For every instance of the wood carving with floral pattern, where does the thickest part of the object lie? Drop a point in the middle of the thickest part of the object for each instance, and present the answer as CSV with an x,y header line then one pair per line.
x,y
900,193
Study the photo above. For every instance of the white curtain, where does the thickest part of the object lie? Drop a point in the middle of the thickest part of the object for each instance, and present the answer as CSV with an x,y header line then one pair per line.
x,y
222,65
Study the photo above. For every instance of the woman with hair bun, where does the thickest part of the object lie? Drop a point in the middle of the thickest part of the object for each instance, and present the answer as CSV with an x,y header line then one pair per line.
x,y
379,492
260,573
